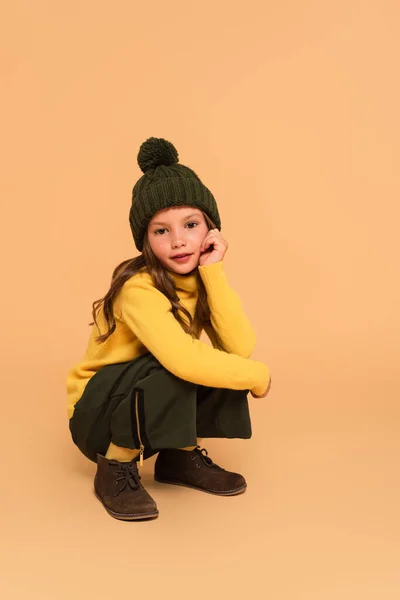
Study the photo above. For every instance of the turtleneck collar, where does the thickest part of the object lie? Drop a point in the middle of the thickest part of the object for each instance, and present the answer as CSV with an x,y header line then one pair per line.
x,y
187,283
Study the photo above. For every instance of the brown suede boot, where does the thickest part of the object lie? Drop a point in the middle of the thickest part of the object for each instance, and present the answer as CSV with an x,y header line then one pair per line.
x,y
196,470
117,486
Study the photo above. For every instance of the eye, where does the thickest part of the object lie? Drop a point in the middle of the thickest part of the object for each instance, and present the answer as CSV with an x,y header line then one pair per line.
x,y
157,231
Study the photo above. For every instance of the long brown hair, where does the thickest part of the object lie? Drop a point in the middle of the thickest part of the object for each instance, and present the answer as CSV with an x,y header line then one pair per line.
x,y
162,281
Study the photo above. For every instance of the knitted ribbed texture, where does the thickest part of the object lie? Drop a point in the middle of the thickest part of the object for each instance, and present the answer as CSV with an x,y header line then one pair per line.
x,y
165,184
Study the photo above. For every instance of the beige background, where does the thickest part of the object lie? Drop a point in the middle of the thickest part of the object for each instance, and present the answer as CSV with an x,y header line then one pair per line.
x,y
289,113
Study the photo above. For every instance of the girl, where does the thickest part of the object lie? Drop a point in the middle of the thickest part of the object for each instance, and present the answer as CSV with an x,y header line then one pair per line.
x,y
147,384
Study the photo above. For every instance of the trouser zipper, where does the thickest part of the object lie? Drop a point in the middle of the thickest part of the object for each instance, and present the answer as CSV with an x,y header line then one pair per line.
x,y
138,427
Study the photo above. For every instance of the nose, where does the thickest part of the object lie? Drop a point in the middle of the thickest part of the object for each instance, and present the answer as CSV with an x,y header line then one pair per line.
x,y
178,241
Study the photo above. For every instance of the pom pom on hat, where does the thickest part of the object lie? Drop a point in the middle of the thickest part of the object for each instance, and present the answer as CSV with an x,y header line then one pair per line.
x,y
155,152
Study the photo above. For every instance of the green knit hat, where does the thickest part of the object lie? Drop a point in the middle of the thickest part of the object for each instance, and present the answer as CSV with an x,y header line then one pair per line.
x,y
165,183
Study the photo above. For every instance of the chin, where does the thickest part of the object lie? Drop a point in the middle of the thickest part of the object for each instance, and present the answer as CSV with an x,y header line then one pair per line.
x,y
185,269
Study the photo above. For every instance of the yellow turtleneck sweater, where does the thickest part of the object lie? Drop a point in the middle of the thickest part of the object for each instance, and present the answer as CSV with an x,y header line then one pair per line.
x,y
145,323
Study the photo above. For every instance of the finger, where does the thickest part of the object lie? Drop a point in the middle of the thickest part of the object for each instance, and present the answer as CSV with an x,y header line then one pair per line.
x,y
213,237
214,234
218,235
208,240
206,243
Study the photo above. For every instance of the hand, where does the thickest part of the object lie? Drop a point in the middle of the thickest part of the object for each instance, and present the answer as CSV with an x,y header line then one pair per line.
x,y
265,393
213,248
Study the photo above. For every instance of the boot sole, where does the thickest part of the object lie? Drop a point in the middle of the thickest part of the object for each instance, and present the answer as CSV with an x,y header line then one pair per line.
x,y
200,489
122,517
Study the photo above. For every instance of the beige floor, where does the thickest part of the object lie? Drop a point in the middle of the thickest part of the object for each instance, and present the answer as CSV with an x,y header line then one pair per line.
x,y
320,519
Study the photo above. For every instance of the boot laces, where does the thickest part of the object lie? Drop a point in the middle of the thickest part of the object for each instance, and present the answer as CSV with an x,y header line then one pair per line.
x,y
128,475
202,452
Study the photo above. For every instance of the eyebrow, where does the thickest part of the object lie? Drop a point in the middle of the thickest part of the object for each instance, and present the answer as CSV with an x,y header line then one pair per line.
x,y
184,219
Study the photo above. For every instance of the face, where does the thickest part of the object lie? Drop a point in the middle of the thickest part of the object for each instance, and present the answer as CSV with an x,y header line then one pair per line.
x,y
174,231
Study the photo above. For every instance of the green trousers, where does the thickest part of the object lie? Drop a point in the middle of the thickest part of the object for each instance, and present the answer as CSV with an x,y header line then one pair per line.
x,y
139,404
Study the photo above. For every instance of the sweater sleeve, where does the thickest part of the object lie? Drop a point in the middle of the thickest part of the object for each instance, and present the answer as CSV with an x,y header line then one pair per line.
x,y
227,317
148,314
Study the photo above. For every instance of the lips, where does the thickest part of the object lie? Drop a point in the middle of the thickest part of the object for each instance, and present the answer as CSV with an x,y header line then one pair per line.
x,y
180,255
